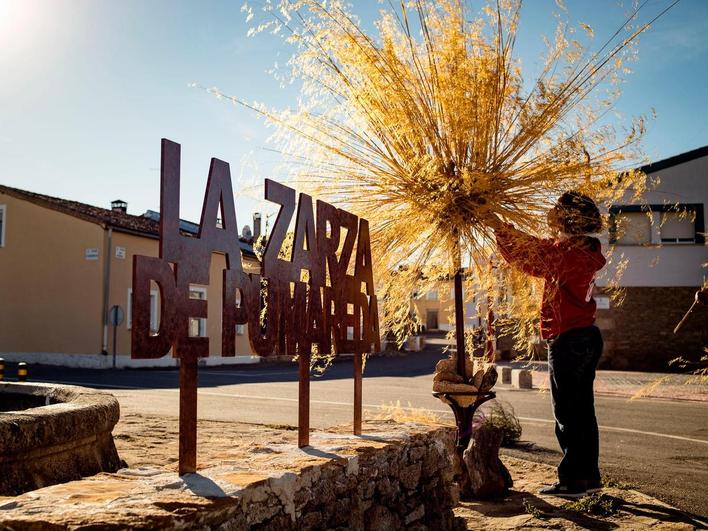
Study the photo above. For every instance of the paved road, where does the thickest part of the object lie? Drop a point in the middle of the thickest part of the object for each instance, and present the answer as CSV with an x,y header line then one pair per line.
x,y
660,446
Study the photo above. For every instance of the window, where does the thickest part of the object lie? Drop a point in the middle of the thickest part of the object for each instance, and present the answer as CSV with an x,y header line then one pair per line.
x,y
3,215
432,295
240,329
633,228
154,314
678,227
197,325
657,224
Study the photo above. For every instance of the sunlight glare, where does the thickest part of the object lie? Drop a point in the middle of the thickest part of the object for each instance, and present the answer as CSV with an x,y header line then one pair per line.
x,y
16,21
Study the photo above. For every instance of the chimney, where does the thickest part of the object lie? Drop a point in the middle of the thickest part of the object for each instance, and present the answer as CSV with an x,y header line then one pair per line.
x,y
119,206
256,225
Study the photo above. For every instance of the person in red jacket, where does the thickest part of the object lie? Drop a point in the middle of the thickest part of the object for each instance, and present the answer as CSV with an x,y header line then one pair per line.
x,y
568,264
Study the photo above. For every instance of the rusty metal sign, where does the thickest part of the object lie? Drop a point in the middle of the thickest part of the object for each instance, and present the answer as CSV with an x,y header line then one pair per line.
x,y
333,305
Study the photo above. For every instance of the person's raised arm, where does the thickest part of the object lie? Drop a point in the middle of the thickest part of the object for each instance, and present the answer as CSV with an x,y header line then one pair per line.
x,y
534,256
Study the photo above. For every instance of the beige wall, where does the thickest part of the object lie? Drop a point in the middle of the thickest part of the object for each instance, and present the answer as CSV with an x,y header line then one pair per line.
x,y
444,303
121,281
50,295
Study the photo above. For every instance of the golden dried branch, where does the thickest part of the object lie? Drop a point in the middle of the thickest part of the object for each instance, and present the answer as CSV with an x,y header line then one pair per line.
x,y
430,131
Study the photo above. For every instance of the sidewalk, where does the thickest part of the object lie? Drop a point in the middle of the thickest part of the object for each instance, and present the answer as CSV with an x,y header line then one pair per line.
x,y
629,384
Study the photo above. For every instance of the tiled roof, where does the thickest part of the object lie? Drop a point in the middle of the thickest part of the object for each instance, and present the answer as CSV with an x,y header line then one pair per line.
x,y
146,225
102,216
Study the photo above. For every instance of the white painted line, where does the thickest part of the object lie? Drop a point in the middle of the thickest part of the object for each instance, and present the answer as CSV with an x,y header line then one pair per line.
x,y
92,384
533,419
654,434
626,430
378,406
247,374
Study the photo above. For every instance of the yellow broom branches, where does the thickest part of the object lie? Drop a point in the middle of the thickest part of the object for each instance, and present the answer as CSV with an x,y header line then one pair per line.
x,y
429,130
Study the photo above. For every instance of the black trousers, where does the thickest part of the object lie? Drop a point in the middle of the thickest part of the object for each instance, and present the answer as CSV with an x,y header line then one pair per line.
x,y
572,360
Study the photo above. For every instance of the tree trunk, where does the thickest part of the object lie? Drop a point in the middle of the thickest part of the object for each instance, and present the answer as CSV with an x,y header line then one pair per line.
x,y
488,477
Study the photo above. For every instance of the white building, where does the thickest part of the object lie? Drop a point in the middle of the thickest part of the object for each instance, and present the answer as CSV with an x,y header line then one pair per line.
x,y
661,243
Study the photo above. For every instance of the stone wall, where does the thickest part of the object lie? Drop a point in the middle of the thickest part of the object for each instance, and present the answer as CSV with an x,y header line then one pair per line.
x,y
394,477
639,334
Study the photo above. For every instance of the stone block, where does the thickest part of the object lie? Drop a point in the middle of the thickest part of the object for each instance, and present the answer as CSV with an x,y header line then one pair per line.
x,y
65,436
410,476
506,375
521,379
415,343
416,514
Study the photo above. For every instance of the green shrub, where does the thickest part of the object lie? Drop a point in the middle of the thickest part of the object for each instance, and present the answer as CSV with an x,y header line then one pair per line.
x,y
534,511
601,505
501,416
614,483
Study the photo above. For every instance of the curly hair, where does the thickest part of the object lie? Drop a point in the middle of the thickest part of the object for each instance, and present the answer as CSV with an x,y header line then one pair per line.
x,y
578,214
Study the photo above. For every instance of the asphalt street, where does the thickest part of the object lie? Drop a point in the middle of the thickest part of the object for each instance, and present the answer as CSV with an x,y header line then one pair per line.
x,y
658,446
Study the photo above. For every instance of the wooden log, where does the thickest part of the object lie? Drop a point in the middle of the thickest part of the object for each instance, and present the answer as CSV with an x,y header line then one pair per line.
x,y
488,477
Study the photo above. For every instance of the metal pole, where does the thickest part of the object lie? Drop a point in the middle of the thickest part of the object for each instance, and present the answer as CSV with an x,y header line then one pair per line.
x,y
188,415
490,331
106,289
303,417
460,325
358,367
115,338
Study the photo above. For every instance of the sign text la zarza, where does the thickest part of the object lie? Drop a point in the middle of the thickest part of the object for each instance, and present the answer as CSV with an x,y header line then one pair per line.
x,y
335,308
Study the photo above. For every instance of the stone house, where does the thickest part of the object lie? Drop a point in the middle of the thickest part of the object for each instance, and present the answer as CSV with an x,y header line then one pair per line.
x,y
64,264
661,245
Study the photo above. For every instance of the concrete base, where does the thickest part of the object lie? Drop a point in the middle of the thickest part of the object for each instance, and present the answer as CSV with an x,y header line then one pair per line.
x,y
506,375
414,343
521,379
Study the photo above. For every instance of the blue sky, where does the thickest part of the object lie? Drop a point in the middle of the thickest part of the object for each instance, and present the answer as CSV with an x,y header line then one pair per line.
x,y
89,87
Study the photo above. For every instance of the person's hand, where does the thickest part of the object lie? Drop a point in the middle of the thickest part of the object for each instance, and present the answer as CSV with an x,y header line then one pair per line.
x,y
494,222
702,296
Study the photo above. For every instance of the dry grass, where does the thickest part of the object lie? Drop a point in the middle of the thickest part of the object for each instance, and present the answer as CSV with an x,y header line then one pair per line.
x,y
398,413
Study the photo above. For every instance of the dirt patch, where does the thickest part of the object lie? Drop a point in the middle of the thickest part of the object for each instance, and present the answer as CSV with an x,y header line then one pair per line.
x,y
613,508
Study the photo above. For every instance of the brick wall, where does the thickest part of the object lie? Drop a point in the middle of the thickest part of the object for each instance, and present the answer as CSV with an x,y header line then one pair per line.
x,y
639,334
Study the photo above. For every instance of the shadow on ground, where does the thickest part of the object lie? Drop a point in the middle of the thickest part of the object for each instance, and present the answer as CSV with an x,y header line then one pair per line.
x,y
613,508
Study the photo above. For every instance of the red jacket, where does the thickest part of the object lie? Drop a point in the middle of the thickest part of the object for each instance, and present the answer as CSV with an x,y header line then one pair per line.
x,y
568,267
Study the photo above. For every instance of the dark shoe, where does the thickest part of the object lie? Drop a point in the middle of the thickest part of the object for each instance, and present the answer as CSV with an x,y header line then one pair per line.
x,y
564,490
593,485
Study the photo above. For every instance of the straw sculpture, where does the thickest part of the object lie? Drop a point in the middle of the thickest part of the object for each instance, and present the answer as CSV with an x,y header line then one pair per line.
x,y
427,127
